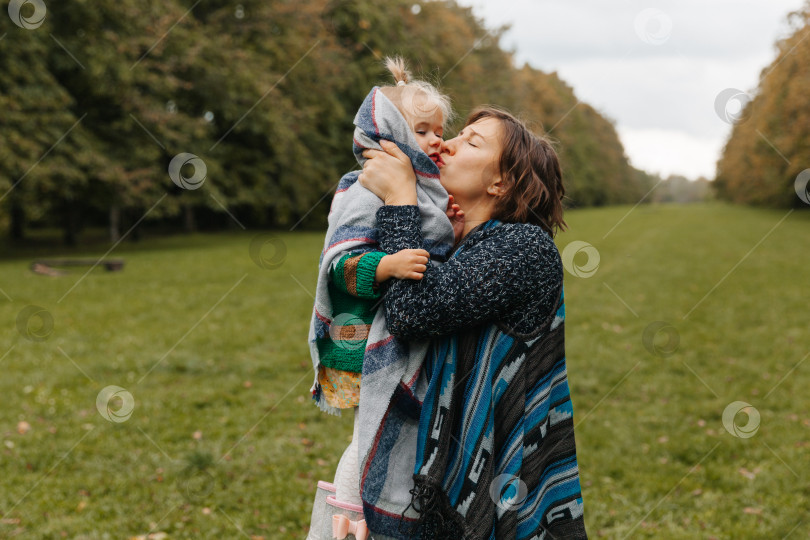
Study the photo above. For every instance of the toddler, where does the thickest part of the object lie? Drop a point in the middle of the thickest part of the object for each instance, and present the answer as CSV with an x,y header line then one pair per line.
x,y
352,267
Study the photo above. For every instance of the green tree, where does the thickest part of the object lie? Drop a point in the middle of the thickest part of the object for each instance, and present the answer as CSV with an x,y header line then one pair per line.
x,y
104,95
768,147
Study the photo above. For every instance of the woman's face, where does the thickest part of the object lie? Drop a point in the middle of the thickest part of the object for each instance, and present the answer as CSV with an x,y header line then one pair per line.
x,y
469,163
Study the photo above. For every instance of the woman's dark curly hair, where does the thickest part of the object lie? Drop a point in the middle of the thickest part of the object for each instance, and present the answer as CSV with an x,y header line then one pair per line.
x,y
530,172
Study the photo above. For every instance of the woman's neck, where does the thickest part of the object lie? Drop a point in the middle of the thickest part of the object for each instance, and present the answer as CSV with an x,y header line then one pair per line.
x,y
477,214
470,225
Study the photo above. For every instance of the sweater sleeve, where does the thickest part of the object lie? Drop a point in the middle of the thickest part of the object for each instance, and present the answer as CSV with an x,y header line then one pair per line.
x,y
354,274
508,274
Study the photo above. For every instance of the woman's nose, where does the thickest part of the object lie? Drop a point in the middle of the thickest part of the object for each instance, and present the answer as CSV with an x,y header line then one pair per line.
x,y
449,146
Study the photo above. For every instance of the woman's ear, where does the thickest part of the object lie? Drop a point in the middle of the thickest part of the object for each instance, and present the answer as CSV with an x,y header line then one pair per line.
x,y
496,188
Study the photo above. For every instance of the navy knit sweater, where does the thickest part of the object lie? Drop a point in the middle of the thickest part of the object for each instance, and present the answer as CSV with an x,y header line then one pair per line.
x,y
475,287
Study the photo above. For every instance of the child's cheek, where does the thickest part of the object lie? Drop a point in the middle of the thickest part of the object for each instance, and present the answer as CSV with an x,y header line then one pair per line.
x,y
423,143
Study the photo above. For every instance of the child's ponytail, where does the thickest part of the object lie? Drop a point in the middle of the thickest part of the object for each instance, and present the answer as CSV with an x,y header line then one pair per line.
x,y
414,97
396,66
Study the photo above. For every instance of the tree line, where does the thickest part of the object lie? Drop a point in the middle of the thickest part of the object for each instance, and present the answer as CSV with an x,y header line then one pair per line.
x,y
99,98
769,146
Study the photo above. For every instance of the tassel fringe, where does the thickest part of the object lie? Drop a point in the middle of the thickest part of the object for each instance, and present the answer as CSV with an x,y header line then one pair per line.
x,y
437,519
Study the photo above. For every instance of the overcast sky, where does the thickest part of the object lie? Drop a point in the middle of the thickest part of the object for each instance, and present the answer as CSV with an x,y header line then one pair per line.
x,y
654,67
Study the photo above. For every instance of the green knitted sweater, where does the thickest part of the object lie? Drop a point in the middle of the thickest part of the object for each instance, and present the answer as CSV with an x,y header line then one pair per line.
x,y
355,300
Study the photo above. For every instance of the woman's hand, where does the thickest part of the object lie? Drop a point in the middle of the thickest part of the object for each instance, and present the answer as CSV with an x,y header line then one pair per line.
x,y
456,215
389,175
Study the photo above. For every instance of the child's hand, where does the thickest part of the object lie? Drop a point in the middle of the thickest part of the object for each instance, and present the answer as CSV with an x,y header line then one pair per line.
x,y
456,215
405,264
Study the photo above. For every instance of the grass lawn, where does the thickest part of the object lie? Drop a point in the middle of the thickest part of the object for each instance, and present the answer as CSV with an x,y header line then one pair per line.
x,y
690,309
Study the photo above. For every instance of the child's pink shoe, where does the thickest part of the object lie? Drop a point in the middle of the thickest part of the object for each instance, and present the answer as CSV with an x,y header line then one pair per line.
x,y
347,520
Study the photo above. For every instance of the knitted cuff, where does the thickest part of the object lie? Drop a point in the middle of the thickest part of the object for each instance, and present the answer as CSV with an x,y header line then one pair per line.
x,y
366,272
399,228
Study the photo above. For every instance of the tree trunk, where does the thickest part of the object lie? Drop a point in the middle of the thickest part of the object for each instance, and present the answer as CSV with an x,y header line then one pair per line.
x,y
70,224
271,216
190,223
115,222
17,225
135,235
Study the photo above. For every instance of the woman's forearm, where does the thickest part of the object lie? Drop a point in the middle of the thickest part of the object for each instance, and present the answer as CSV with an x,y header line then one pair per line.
x,y
499,275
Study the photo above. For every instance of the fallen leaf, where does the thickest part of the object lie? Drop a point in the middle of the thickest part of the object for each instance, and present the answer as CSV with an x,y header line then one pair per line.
x,y
746,473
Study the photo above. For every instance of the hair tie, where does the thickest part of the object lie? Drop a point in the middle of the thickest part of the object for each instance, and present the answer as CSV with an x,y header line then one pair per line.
x,y
401,83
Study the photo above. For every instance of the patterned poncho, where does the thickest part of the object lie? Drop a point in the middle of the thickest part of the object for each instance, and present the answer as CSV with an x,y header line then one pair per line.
x,y
489,416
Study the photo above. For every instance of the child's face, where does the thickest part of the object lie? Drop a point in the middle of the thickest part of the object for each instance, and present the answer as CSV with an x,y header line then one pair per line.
x,y
428,130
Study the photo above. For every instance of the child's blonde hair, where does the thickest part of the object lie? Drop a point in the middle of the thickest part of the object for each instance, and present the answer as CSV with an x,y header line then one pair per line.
x,y
414,98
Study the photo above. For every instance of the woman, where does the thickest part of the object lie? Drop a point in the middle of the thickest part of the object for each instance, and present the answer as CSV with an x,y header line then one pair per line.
x,y
495,452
